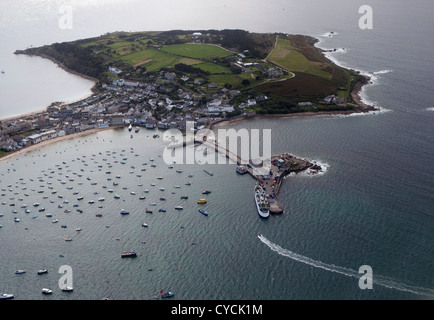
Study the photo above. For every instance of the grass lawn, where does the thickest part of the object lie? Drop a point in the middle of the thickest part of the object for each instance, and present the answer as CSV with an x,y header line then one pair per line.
x,y
196,51
288,57
213,68
154,59
233,79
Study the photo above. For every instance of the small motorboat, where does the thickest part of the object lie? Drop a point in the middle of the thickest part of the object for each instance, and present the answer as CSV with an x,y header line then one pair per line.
x,y
166,294
184,197
47,291
123,212
144,225
201,201
203,212
206,192
42,271
20,271
67,289
129,254
5,296
179,208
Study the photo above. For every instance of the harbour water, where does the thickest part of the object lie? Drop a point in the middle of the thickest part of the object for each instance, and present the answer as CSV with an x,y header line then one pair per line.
x,y
373,206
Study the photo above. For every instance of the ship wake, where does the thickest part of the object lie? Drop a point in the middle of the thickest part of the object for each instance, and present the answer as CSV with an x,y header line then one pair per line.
x,y
377,279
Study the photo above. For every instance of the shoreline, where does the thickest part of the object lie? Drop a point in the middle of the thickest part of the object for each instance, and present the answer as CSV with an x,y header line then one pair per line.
x,y
60,65
355,94
46,143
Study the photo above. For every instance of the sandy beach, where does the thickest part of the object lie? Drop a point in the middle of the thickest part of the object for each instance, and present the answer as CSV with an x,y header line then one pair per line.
x,y
38,146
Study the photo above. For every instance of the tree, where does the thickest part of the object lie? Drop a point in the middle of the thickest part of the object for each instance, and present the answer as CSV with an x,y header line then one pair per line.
x,y
245,82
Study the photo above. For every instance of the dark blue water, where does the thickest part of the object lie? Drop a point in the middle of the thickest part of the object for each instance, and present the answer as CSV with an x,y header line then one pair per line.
x,y
373,206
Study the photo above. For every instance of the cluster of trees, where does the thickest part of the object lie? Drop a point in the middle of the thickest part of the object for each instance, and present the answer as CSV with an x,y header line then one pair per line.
x,y
73,57
182,67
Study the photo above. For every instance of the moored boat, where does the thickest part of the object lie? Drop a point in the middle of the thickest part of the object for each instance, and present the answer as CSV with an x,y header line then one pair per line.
x,y
241,170
206,192
67,289
202,201
203,212
42,271
47,291
129,254
166,294
5,296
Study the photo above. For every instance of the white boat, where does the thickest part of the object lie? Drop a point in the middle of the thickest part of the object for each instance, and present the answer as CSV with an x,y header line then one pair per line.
x,y
67,289
42,271
262,204
5,296
47,291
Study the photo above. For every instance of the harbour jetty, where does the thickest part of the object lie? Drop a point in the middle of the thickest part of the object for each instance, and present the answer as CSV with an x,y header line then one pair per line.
x,y
281,166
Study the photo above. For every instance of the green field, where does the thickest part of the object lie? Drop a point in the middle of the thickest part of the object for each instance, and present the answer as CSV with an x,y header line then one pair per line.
x,y
292,59
154,59
233,79
196,51
213,68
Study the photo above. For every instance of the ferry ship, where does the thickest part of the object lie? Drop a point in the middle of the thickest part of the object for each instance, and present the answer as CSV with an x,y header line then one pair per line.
x,y
262,204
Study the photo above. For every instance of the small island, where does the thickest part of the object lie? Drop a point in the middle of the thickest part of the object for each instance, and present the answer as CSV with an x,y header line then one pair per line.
x,y
163,79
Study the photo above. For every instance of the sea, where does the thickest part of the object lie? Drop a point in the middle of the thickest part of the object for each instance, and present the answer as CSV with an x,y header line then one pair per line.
x,y
369,215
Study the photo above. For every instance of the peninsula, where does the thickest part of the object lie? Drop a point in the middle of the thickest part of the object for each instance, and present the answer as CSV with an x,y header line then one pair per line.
x,y
163,79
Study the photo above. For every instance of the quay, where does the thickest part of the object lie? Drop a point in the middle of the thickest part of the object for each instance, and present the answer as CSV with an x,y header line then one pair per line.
x,y
281,166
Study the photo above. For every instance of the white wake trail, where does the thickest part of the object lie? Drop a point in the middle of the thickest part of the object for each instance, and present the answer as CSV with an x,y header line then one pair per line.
x,y
377,279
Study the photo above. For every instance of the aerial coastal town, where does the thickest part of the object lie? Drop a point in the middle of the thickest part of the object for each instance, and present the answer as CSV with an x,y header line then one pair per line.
x,y
153,104
164,97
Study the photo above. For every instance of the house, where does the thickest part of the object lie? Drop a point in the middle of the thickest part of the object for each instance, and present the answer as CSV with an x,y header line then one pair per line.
x,y
117,120
251,102
305,104
213,85
170,76
35,138
198,81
